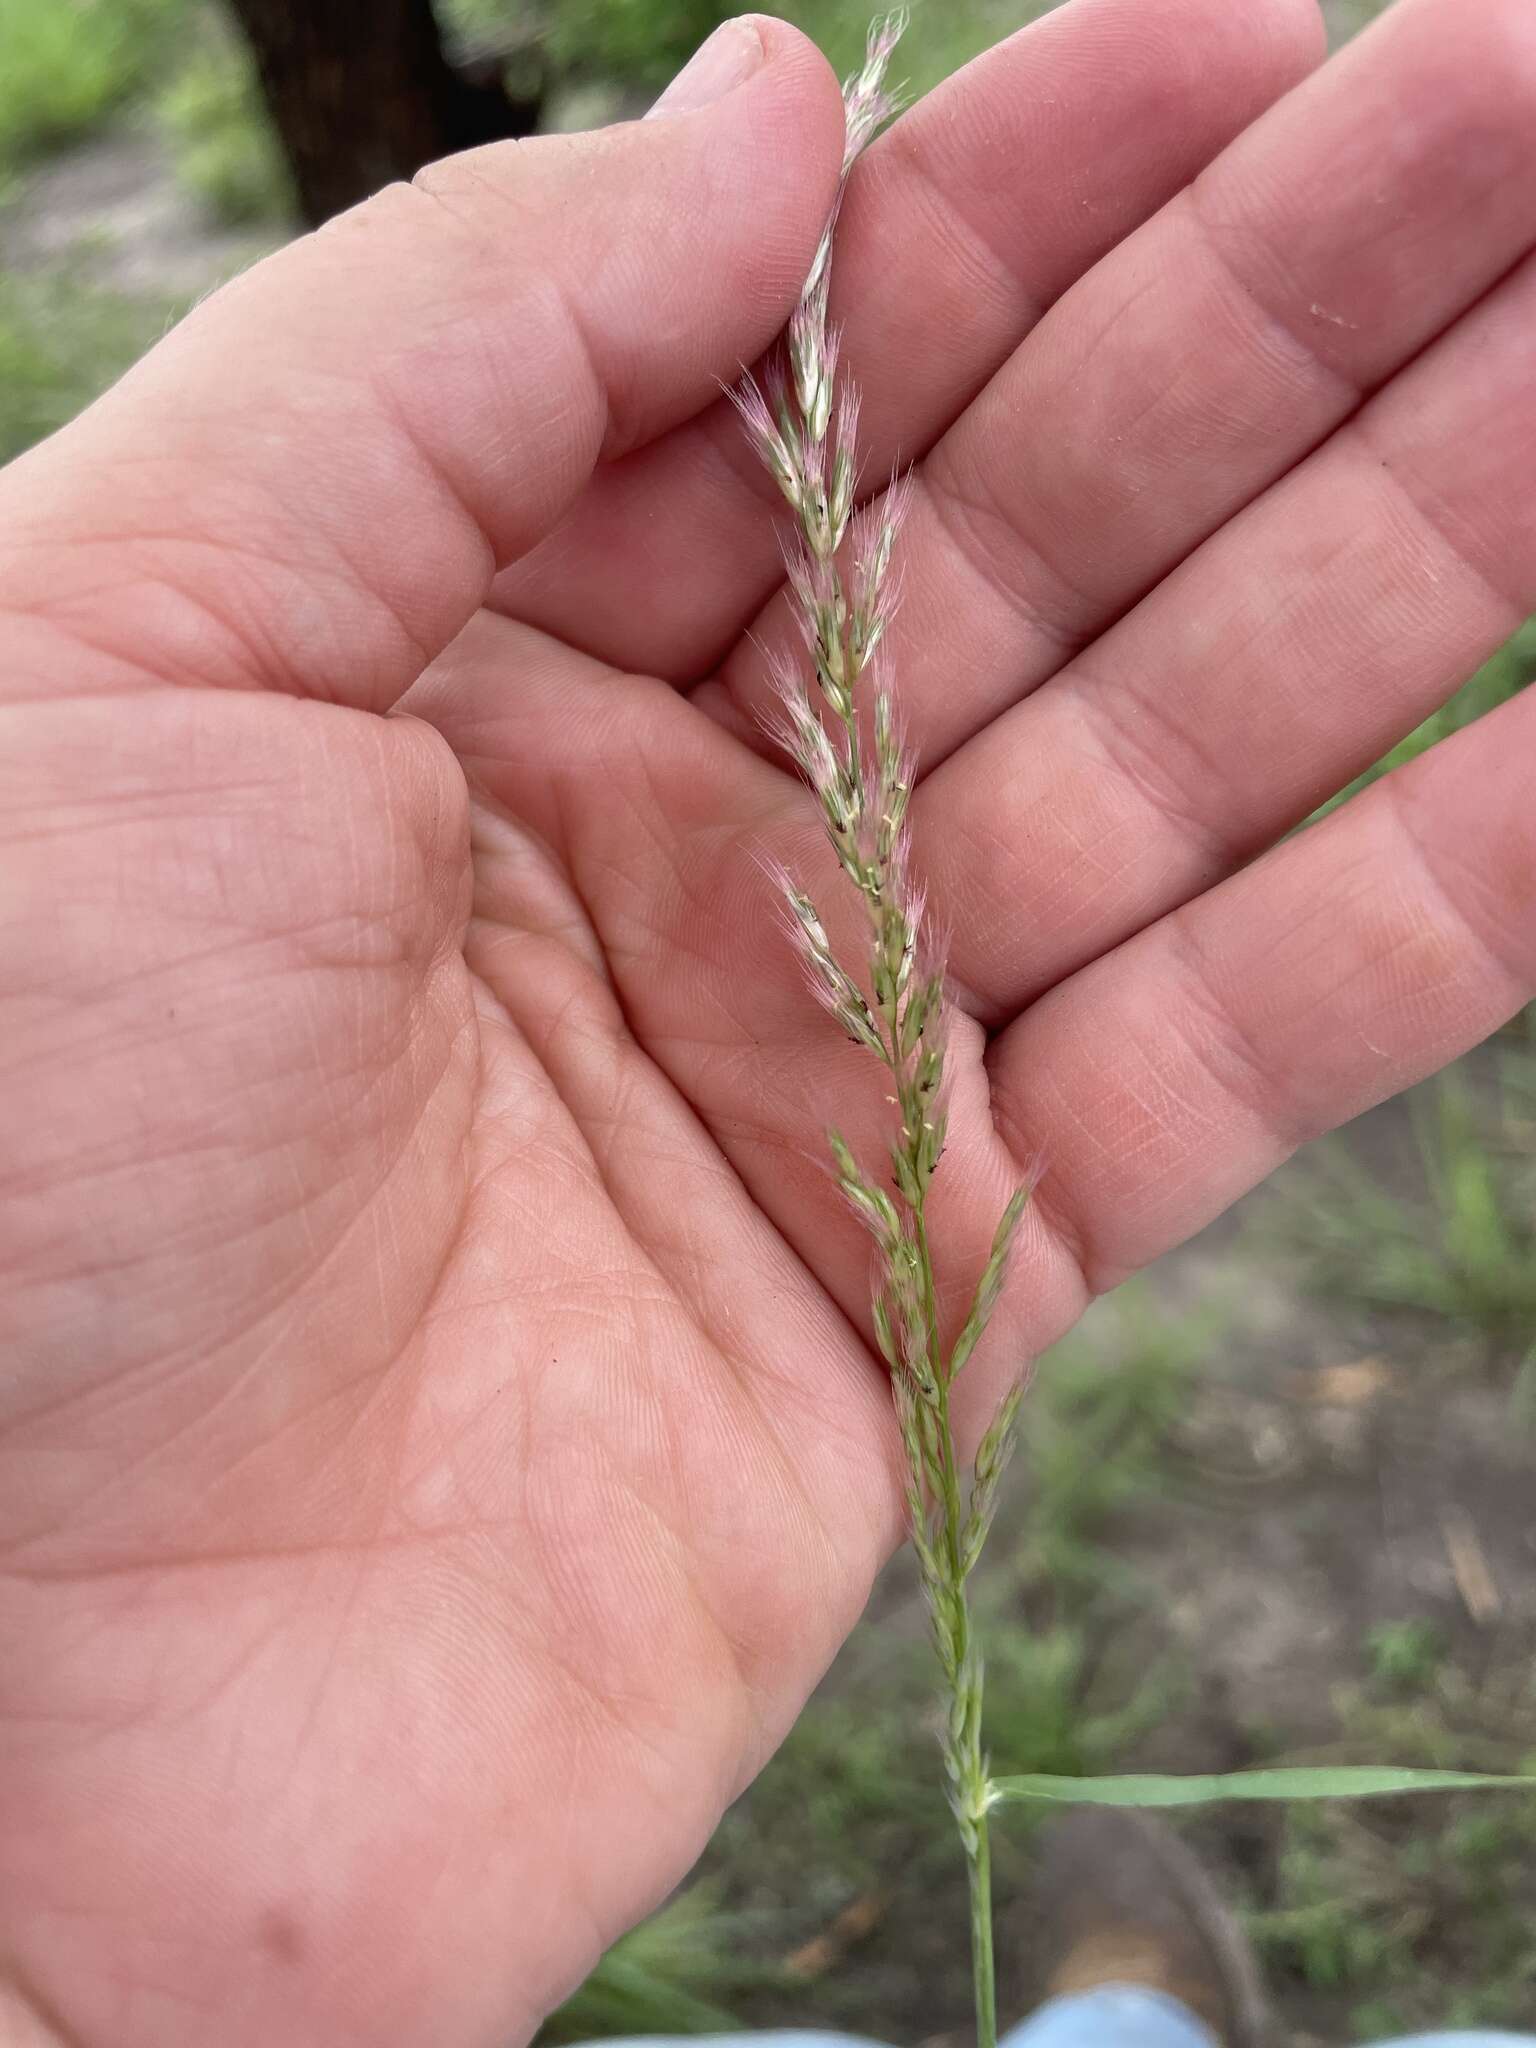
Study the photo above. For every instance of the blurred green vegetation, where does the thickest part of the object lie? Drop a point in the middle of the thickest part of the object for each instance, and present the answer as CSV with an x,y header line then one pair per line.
x,y
642,40
64,64
1404,1655
664,1977
1452,1239
210,111
1419,1916
62,339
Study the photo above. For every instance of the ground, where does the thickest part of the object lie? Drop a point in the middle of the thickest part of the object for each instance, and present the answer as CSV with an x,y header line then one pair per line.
x,y
1275,1499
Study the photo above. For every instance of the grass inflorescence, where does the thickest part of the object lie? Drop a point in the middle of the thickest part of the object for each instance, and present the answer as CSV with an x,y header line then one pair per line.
x,y
839,724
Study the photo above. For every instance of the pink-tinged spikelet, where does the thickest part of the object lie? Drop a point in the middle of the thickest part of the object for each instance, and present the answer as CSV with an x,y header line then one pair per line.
x,y
766,437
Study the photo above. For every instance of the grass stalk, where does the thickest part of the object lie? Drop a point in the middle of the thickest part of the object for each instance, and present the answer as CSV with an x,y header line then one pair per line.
x,y
841,729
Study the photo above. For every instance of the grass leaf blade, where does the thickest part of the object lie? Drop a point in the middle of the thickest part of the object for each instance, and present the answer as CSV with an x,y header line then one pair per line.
x,y
1349,1781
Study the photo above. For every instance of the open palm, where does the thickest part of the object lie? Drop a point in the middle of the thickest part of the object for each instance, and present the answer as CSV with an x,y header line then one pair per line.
x,y
438,1445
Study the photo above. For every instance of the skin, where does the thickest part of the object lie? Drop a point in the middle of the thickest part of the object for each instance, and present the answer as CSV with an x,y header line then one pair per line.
x,y
439,1448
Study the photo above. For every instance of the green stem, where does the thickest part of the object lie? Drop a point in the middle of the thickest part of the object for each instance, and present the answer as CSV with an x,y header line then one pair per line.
x,y
965,1761
969,1775
983,1969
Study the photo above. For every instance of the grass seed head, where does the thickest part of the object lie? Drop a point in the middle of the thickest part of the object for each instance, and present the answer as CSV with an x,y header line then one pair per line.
x,y
839,723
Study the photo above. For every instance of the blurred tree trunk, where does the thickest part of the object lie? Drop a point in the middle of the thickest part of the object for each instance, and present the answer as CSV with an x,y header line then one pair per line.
x,y
361,95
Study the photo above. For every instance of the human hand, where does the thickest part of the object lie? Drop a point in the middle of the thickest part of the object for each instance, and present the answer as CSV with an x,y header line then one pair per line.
x,y
438,1448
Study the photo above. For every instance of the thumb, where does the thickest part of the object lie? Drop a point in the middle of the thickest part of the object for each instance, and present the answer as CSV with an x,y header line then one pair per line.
x,y
309,484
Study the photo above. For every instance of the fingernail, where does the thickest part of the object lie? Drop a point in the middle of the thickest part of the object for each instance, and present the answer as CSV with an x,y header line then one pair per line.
x,y
728,57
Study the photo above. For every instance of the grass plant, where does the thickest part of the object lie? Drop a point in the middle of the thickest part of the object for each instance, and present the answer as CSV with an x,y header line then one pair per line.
x,y
846,742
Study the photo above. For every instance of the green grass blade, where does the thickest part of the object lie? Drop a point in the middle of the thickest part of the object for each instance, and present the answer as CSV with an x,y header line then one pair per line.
x,y
1357,1781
